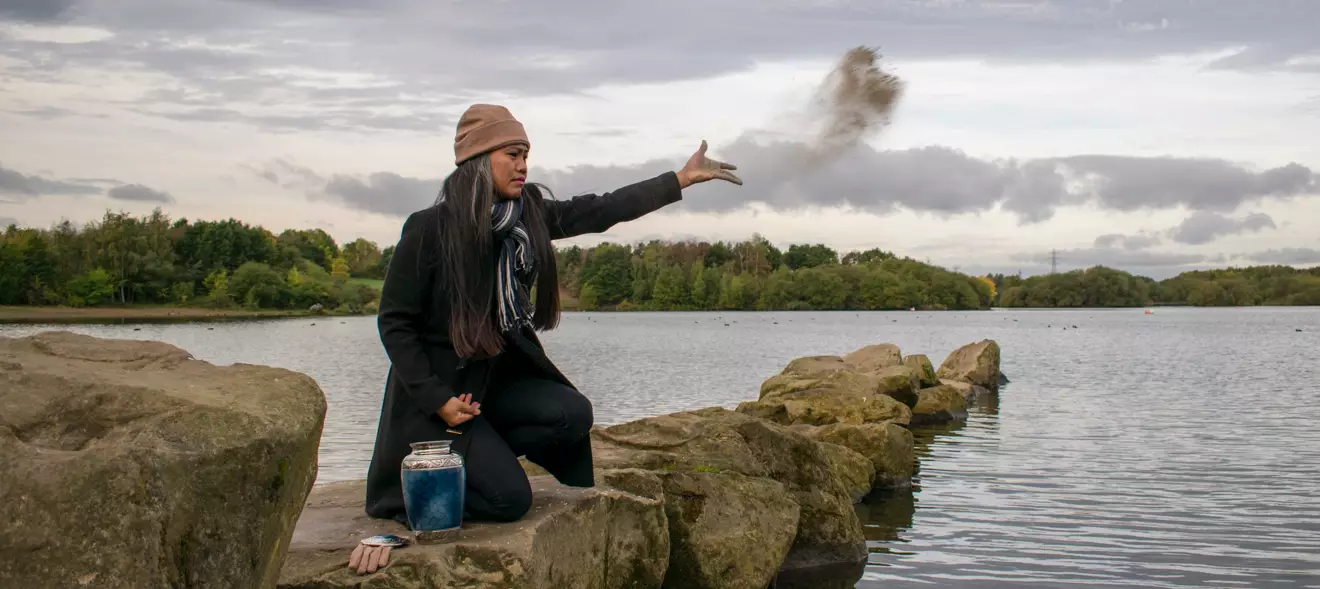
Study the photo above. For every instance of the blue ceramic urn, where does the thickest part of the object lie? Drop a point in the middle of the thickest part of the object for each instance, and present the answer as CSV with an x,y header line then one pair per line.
x,y
434,488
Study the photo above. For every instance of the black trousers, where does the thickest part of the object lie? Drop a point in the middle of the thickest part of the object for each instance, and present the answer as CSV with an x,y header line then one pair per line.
x,y
520,416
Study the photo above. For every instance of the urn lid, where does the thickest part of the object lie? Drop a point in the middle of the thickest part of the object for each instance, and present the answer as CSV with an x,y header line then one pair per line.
x,y
435,447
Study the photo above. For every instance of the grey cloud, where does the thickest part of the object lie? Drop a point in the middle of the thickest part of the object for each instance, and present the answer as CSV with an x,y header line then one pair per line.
x,y
936,180
1292,256
338,119
5,222
13,183
1200,228
35,10
1128,242
96,181
1270,30
289,175
1204,227
139,193
47,113
539,48
27,186
383,192
945,181
1127,183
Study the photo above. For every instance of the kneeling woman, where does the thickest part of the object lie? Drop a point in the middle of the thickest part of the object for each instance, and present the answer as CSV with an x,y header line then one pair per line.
x,y
458,323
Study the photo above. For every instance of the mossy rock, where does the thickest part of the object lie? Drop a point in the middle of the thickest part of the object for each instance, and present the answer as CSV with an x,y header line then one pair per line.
x,y
131,464
939,404
924,369
874,357
828,529
976,363
888,446
823,406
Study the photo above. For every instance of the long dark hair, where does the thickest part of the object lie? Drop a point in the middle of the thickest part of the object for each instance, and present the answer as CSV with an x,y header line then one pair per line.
x,y
467,258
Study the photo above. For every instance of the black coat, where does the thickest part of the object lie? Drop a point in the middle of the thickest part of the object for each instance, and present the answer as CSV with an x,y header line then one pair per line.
x,y
425,372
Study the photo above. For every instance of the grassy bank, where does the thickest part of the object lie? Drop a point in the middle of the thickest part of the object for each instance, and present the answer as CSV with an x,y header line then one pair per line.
x,y
372,282
143,313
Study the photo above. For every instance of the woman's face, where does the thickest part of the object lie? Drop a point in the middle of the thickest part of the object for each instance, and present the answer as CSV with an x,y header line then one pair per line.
x,y
508,169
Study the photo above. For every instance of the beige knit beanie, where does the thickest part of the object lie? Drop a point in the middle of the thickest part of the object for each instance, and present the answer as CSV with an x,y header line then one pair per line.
x,y
484,128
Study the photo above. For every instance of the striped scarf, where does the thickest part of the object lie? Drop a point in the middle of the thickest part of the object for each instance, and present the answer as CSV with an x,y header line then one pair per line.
x,y
516,266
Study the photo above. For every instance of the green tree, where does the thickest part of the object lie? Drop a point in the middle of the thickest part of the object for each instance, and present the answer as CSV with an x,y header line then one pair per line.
x,y
669,289
339,268
96,287
871,255
733,292
259,286
809,256
588,297
608,269
217,288
314,245
363,258
699,289
384,263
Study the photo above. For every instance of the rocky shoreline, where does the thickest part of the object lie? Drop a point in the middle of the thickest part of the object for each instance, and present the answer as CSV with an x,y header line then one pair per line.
x,y
705,498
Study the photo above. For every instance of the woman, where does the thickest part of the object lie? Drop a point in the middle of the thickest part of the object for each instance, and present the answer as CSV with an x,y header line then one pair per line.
x,y
458,324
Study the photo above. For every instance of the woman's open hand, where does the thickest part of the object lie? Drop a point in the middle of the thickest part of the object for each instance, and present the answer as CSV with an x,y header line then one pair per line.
x,y
366,559
459,410
700,168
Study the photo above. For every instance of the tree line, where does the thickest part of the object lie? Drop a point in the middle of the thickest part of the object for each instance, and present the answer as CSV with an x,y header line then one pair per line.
x,y
126,260
756,275
1106,287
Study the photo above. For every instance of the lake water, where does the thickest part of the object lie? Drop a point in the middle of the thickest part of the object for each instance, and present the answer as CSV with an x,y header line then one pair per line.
x,y
1178,449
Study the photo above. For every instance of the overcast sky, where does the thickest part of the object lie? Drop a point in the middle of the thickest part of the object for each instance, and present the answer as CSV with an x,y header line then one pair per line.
x,y
1151,135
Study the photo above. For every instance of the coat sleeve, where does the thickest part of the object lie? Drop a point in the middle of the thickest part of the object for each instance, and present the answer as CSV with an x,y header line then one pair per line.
x,y
596,213
404,299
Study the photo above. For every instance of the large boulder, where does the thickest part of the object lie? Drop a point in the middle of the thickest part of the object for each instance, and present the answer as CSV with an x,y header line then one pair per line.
x,y
972,393
726,530
826,405
815,366
717,440
782,384
597,538
130,464
899,382
854,470
874,358
925,370
939,404
877,372
888,446
976,363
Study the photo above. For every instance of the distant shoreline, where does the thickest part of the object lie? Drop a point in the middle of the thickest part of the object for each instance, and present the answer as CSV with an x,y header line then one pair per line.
x,y
169,314
143,314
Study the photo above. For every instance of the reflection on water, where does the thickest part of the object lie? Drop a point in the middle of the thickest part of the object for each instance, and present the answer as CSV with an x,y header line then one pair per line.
x,y
1178,449
842,576
886,514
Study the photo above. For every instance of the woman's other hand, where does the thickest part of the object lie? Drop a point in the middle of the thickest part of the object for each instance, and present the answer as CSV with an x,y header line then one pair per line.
x,y
459,410
366,559
700,168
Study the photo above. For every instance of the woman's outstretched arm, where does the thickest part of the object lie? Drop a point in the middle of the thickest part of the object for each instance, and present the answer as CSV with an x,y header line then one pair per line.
x,y
597,213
